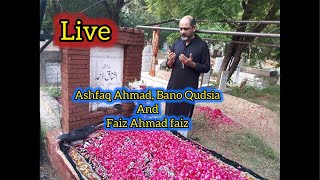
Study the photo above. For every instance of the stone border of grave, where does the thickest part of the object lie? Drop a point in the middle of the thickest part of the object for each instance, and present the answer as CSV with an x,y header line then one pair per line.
x,y
56,157
52,106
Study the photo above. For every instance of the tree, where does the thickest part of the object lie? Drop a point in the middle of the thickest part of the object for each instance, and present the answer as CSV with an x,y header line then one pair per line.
x,y
92,8
216,10
113,9
250,7
52,8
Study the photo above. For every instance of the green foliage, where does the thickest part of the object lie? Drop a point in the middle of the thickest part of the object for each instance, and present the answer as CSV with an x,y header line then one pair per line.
x,y
52,8
206,9
251,92
141,12
251,143
276,54
271,90
173,37
135,13
43,134
52,90
268,97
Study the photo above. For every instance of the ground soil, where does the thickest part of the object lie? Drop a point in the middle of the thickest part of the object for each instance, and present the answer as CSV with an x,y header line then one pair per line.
x,y
46,170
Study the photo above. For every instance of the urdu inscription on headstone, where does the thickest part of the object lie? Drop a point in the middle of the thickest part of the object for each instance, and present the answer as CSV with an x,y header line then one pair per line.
x,y
53,72
106,70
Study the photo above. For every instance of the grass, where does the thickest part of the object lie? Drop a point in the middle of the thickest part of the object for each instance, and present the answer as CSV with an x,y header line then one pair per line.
x,y
238,144
268,97
252,152
252,145
43,131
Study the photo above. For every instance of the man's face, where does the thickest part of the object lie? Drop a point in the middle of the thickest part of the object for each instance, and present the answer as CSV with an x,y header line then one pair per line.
x,y
186,30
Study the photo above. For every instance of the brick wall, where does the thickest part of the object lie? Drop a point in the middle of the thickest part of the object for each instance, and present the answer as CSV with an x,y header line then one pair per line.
x,y
75,72
56,157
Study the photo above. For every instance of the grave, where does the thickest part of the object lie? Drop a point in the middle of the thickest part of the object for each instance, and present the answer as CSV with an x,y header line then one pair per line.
x,y
109,68
205,78
50,66
96,67
223,81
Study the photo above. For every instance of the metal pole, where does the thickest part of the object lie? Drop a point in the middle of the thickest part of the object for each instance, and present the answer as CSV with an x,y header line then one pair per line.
x,y
45,45
241,42
217,32
158,23
255,22
238,21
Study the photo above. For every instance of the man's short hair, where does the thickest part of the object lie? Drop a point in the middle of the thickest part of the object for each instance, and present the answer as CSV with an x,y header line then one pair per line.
x,y
192,20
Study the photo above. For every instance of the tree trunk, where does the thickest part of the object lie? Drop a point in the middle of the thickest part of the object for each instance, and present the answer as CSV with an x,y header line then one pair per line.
x,y
235,50
248,10
236,59
113,9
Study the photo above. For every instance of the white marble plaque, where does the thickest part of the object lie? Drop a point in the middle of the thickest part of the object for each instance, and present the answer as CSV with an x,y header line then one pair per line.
x,y
53,73
206,78
106,70
223,80
146,58
217,64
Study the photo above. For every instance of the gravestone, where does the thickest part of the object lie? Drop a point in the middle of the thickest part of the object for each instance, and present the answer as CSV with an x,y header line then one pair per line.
x,y
146,58
223,80
236,77
53,72
278,82
206,78
217,64
106,70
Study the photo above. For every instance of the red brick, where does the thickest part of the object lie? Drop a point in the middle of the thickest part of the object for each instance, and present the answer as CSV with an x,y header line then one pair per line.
x,y
133,65
124,42
132,55
92,115
78,122
137,43
77,52
79,71
76,114
124,35
71,80
83,109
79,105
73,86
74,61
133,70
78,76
133,48
77,49
74,56
132,60
78,66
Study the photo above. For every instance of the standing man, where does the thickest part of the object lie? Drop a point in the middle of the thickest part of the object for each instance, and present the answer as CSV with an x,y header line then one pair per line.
x,y
188,57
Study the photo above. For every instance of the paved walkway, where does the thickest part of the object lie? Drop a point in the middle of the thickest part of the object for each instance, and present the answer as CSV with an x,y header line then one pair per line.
x,y
153,81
